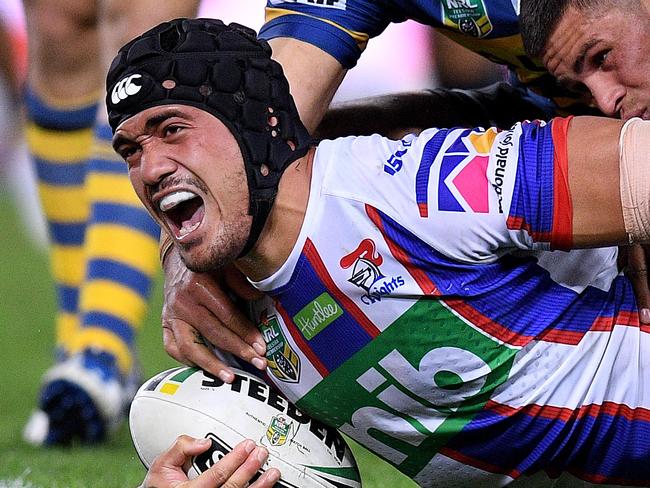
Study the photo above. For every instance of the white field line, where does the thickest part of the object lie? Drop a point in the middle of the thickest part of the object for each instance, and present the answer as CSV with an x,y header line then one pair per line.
x,y
19,482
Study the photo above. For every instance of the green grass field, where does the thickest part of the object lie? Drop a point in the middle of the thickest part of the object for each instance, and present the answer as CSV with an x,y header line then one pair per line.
x,y
26,339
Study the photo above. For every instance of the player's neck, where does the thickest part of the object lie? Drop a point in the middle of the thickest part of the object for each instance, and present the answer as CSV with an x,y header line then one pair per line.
x,y
284,222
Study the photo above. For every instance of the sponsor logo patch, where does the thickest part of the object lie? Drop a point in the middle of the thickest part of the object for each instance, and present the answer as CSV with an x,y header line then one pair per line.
x,y
125,88
431,366
467,16
462,178
364,262
394,163
283,361
317,315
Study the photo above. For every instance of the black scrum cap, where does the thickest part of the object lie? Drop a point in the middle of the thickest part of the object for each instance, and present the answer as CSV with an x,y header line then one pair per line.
x,y
226,71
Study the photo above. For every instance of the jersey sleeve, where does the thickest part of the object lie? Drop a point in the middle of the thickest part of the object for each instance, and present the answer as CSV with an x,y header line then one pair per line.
x,y
476,194
339,27
342,28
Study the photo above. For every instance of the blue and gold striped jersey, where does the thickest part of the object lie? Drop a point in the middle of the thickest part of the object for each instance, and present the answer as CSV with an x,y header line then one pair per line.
x,y
342,28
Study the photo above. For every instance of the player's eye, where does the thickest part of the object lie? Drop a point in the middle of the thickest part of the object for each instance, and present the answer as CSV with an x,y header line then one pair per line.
x,y
127,152
600,58
171,130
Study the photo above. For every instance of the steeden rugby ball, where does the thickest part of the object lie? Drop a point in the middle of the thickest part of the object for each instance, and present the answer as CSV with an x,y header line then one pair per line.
x,y
193,402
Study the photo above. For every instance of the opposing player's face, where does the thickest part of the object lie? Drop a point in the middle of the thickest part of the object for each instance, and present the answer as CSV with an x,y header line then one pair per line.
x,y
188,170
607,55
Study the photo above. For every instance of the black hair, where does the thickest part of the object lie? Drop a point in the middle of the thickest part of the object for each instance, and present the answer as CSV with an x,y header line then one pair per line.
x,y
539,18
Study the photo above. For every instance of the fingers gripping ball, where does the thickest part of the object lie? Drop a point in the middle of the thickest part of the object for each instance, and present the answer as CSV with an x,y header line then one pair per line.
x,y
192,402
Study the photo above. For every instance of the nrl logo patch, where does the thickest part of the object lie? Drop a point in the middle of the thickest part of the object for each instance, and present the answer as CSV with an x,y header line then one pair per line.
x,y
283,361
279,430
467,16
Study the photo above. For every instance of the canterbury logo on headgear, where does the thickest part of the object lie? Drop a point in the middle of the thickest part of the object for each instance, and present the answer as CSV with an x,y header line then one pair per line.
x,y
124,88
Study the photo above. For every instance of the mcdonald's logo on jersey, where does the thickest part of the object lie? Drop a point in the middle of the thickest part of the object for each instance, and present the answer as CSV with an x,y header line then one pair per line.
x,y
463,184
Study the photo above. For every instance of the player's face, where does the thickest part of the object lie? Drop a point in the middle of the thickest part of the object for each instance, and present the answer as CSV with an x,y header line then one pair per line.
x,y
188,170
607,55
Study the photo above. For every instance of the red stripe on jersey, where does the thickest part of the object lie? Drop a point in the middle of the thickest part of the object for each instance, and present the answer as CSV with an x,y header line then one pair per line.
x,y
624,318
565,414
420,277
348,305
518,223
303,345
487,325
562,231
599,479
428,287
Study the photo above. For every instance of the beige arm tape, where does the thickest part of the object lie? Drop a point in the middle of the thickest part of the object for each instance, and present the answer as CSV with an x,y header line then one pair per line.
x,y
166,243
634,150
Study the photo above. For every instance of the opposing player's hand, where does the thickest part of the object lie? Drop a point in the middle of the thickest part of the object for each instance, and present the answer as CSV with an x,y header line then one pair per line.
x,y
635,260
198,309
234,470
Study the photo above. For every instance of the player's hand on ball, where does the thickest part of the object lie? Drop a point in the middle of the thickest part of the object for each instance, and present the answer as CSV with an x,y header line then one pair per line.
x,y
234,470
197,307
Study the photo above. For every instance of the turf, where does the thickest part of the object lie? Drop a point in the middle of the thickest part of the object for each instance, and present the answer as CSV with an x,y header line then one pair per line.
x,y
26,337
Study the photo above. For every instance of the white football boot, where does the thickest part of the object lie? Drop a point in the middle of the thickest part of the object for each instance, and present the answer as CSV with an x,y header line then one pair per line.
x,y
83,398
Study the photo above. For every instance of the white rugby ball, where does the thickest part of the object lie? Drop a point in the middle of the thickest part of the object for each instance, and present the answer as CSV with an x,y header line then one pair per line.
x,y
193,402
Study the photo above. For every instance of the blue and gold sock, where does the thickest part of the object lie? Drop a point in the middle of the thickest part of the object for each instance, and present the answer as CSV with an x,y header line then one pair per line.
x,y
121,257
59,135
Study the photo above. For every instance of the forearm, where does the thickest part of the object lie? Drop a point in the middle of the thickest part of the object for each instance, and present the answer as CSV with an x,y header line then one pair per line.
x,y
499,105
313,75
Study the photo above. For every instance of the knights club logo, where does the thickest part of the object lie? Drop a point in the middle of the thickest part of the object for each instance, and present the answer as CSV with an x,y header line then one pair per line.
x,y
283,361
364,263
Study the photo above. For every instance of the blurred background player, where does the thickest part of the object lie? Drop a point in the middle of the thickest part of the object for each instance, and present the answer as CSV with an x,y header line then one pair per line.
x,y
104,246
16,175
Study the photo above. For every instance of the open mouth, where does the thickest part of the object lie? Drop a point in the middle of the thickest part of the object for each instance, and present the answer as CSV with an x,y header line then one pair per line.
x,y
183,210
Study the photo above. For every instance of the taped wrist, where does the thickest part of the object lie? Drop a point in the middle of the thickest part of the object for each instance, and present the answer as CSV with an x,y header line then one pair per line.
x,y
634,148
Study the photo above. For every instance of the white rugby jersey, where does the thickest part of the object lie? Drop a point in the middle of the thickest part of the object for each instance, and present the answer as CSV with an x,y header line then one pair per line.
x,y
423,313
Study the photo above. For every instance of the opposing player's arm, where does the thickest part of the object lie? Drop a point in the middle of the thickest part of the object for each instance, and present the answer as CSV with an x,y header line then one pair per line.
x,y
393,115
313,75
